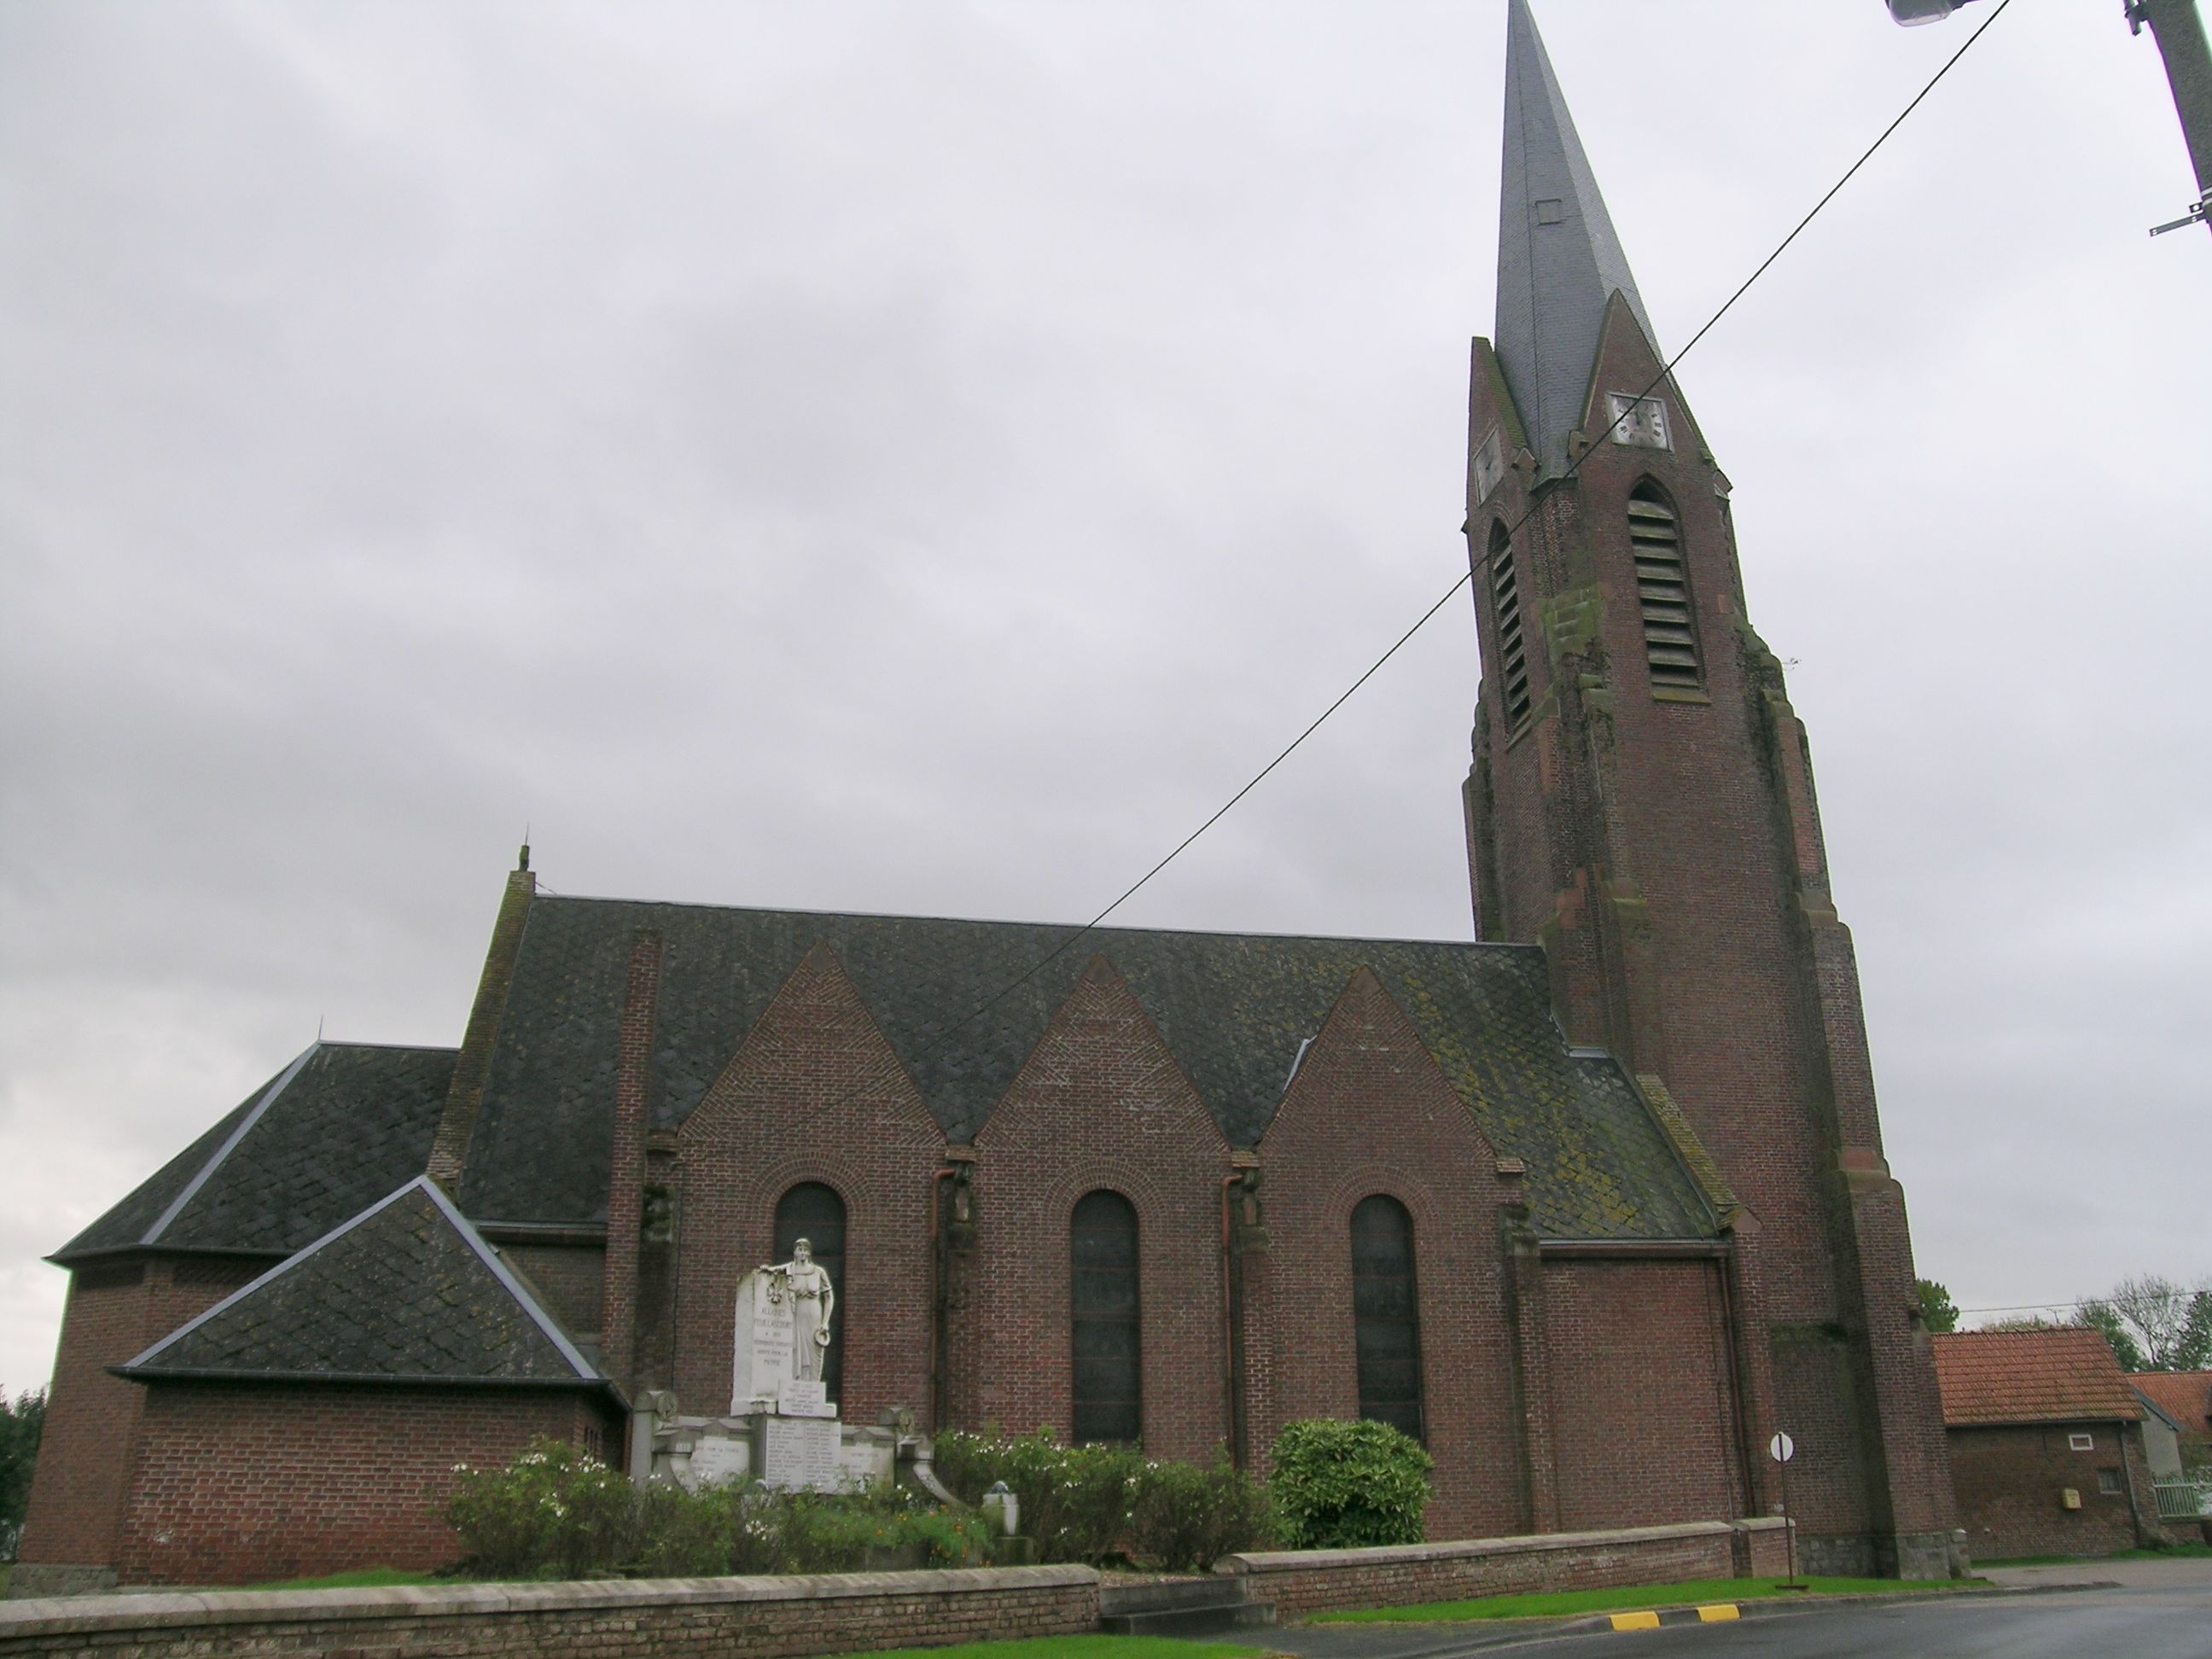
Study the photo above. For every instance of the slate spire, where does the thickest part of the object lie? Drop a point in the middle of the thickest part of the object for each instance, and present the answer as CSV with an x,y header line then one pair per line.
x,y
1558,260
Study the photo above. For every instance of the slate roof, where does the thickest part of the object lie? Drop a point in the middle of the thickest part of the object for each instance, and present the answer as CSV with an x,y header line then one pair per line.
x,y
406,1291
1233,1008
1559,258
341,1126
2063,1375
2184,1397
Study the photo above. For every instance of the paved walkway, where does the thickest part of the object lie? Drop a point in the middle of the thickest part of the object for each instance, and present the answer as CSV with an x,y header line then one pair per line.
x,y
2185,1572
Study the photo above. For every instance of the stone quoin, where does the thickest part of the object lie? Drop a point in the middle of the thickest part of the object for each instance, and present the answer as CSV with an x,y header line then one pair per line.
x,y
1594,1204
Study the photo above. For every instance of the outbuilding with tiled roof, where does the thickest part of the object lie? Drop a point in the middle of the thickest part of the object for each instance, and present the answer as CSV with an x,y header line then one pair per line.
x,y
2047,1452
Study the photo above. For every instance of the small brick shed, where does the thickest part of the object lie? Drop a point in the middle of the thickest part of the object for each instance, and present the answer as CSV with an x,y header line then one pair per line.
x,y
2046,1443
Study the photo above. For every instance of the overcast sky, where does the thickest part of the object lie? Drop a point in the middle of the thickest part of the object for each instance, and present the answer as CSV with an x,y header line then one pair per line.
x,y
924,457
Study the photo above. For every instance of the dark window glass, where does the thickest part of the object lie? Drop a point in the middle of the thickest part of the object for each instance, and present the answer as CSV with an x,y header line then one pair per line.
x,y
1109,1403
812,1211
1386,1313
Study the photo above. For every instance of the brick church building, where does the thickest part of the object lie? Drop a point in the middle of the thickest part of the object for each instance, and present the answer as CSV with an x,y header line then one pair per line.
x,y
1592,1205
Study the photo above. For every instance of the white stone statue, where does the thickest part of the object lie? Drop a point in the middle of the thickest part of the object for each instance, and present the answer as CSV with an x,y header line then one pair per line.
x,y
813,1301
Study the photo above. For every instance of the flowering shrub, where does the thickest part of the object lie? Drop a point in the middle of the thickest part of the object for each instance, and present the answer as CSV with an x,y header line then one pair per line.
x,y
1085,1502
1349,1486
556,1512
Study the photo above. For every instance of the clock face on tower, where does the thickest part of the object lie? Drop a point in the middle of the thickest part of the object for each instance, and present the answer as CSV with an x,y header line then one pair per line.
x,y
1489,465
1641,422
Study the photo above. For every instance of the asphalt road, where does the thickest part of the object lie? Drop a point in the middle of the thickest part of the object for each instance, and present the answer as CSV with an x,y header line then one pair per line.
x,y
2163,1612
2123,1624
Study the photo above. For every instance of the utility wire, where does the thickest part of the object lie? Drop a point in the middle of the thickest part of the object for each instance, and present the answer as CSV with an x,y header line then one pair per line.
x,y
1292,748
946,1036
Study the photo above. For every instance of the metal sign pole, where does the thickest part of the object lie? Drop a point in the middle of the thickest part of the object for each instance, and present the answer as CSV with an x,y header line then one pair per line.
x,y
1782,1448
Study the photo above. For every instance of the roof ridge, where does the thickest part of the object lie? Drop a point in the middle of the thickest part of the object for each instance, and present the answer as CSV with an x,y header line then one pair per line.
x,y
1009,921
191,1188
547,1327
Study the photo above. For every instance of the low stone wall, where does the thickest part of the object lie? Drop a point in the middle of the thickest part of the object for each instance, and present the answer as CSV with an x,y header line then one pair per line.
x,y
640,1618
1300,1581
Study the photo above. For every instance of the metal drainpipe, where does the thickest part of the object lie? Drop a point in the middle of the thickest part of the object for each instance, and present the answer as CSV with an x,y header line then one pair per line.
x,y
2128,1480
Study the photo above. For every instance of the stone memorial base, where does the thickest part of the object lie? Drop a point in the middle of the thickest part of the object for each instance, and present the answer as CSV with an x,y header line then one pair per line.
x,y
779,1450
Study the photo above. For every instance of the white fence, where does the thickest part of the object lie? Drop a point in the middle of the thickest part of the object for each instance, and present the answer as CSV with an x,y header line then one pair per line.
x,y
2183,1500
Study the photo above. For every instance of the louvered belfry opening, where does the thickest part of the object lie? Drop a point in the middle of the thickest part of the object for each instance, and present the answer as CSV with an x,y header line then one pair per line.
x,y
1506,611
1108,1403
1662,590
1386,1313
814,1212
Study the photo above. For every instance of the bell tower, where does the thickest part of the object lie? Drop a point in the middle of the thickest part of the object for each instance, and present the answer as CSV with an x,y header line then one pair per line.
x,y
1641,803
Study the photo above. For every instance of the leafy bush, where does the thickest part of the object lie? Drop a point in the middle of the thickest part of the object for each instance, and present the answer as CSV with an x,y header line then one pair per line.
x,y
1075,1500
1085,1503
1349,1486
556,1512
1186,1516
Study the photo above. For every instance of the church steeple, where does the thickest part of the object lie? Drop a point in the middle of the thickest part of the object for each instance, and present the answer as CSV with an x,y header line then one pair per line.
x,y
1559,259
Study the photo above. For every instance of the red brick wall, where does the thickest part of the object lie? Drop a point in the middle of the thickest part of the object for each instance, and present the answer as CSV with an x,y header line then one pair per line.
x,y
236,1485
815,1093
1369,1113
1669,855
92,1418
1303,1581
570,1276
2010,1480
1100,1102
1638,1388
760,1618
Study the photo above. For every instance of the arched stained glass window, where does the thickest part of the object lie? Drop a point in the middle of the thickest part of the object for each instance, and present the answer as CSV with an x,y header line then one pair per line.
x,y
814,1212
1108,1354
1386,1313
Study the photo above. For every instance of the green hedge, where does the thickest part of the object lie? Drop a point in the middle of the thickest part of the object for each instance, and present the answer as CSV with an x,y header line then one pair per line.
x,y
557,1512
1087,1503
1349,1486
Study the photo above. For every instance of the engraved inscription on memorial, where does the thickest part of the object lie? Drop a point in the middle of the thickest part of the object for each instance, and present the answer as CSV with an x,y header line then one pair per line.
x,y
800,1454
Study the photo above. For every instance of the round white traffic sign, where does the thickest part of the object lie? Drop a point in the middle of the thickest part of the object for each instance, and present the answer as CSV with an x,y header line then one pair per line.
x,y
1782,1448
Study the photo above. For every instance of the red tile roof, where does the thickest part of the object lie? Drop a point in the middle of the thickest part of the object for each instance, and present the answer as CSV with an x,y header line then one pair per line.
x,y
2065,1375
2184,1397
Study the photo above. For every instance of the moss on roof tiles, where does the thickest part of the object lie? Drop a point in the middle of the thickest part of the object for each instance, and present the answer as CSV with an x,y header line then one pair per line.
x,y
1233,1008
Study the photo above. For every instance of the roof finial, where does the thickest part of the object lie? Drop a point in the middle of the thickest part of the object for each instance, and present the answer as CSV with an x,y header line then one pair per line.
x,y
523,862
1559,258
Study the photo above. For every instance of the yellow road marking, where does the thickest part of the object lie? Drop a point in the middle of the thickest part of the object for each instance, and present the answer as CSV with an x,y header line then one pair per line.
x,y
1635,1621
1718,1611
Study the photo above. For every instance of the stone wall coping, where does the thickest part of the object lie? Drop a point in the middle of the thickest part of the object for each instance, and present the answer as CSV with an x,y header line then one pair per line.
x,y
84,1615
1265,1561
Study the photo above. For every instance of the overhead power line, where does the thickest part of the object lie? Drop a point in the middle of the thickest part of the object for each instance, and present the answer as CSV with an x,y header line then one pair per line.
x,y
1421,622
944,1037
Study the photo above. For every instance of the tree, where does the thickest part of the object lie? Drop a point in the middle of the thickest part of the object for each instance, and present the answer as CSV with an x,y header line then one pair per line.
x,y
20,1427
1936,1309
2155,1324
2103,1318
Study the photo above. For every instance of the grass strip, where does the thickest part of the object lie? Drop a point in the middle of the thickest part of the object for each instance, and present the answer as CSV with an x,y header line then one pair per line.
x,y
1076,1647
1558,1603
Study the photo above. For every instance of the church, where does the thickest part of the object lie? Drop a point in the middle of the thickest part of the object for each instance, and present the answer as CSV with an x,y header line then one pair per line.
x,y
1592,1205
